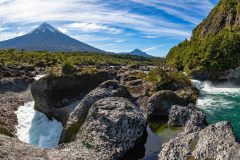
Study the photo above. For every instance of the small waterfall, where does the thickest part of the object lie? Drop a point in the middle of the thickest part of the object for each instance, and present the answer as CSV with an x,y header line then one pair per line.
x,y
35,128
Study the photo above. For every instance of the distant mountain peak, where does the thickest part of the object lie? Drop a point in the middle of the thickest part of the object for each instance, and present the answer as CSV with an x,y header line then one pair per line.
x,y
47,38
45,27
138,52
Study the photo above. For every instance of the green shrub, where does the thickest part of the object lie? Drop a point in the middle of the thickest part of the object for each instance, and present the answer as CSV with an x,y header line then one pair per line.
x,y
68,69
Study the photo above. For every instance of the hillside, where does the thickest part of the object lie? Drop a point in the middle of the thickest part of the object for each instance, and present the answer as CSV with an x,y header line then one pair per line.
x,y
215,43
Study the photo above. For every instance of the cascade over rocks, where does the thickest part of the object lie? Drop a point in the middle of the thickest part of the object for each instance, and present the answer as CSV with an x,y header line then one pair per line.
x,y
78,116
53,93
113,126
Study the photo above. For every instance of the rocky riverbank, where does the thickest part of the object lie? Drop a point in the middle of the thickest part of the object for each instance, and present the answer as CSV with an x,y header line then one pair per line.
x,y
110,117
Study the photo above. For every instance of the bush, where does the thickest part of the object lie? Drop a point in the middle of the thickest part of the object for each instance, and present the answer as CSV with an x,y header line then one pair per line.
x,y
68,69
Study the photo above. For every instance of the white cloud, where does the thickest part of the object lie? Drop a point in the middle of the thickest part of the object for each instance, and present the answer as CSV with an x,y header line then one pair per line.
x,y
63,30
93,27
150,36
151,48
9,35
87,16
183,9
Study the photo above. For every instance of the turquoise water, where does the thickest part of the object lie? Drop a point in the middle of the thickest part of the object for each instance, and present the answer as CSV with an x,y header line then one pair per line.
x,y
221,103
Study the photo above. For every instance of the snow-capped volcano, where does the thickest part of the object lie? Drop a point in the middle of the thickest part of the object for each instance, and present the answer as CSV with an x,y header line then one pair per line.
x,y
44,27
47,38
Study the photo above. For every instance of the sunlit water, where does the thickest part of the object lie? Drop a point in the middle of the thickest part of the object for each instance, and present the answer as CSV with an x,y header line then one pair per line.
x,y
220,103
35,128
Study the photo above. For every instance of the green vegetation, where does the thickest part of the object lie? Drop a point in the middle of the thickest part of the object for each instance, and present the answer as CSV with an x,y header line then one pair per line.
x,y
215,44
13,57
214,53
164,79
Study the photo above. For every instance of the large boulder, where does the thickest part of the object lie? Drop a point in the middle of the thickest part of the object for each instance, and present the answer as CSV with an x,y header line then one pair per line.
x,y
52,93
113,126
189,117
78,116
160,103
216,141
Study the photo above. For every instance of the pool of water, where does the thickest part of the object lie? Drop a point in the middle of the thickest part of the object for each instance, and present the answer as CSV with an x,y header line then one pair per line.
x,y
221,103
158,134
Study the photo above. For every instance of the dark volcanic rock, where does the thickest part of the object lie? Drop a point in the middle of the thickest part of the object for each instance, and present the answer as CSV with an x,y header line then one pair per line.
x,y
160,103
13,149
13,93
78,116
24,71
189,117
113,126
216,141
52,93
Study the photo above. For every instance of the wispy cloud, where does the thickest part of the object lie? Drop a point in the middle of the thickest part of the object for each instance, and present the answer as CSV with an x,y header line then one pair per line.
x,y
93,27
151,48
185,10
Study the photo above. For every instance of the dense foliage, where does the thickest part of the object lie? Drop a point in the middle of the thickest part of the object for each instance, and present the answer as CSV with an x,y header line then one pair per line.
x,y
213,53
215,43
13,57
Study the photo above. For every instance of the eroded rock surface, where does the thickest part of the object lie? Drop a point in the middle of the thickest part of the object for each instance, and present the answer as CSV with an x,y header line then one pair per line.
x,y
216,141
78,116
53,93
189,117
14,92
113,126
160,103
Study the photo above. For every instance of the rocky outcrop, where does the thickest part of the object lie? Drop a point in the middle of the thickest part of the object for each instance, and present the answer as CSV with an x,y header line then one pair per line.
x,y
160,103
13,149
52,93
232,76
14,92
189,117
137,87
216,141
78,116
113,126
24,71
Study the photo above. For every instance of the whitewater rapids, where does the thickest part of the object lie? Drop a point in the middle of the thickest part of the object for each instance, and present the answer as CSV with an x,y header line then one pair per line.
x,y
35,128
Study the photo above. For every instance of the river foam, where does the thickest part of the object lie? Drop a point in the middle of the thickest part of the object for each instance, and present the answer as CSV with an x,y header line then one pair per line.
x,y
35,128
220,103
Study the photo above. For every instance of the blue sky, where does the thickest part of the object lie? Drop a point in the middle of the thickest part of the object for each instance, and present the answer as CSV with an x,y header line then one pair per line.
x,y
153,26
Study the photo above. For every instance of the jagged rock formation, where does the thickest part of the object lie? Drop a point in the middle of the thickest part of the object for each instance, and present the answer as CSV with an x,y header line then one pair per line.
x,y
189,117
78,116
160,103
54,93
14,92
113,126
216,141
226,15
